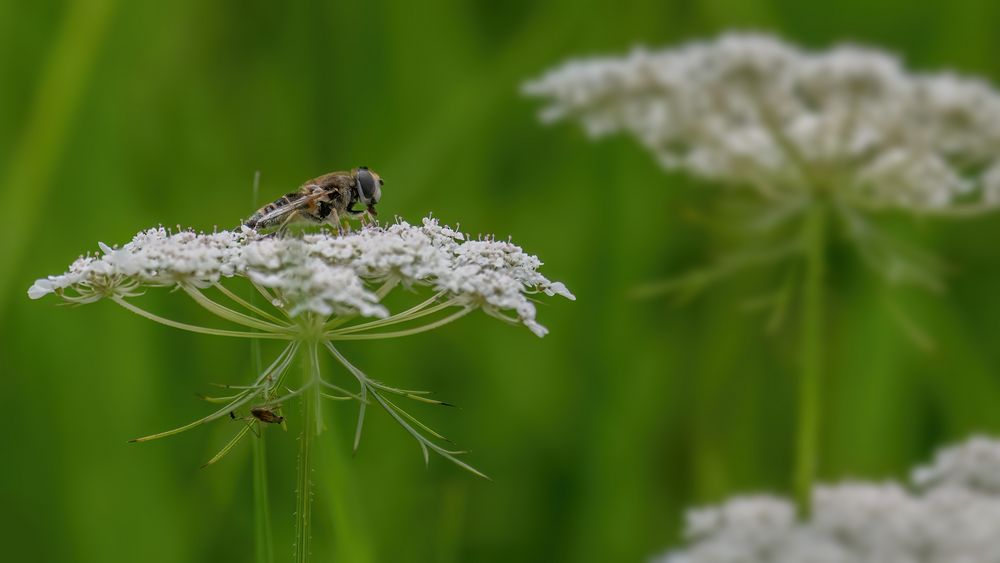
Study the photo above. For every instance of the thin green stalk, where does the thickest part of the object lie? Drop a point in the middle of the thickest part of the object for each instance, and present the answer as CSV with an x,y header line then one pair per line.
x,y
394,318
229,445
370,388
249,305
387,287
268,297
396,334
229,314
279,366
243,399
406,316
811,356
194,328
263,539
313,386
304,488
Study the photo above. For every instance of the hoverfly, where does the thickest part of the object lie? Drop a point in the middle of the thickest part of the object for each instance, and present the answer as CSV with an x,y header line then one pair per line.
x,y
328,199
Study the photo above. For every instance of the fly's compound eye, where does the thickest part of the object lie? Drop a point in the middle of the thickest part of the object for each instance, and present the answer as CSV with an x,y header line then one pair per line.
x,y
369,186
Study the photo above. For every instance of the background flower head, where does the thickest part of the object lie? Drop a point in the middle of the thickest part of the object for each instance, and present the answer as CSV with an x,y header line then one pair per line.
x,y
751,110
952,513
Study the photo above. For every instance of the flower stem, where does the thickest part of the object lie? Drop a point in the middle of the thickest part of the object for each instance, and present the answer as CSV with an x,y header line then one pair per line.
x,y
811,356
194,328
248,305
229,314
304,489
421,310
262,510
264,540
334,335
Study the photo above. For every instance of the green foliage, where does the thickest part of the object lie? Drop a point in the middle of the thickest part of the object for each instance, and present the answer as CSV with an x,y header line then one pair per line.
x,y
120,116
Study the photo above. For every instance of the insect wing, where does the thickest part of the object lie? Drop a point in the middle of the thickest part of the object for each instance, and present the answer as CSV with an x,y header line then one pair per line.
x,y
288,208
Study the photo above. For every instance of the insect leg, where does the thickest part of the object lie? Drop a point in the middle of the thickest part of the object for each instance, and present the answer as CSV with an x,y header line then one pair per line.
x,y
284,224
253,427
248,420
334,219
369,216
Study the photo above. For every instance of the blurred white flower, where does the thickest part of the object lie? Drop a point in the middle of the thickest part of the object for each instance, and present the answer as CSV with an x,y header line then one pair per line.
x,y
749,109
953,516
973,465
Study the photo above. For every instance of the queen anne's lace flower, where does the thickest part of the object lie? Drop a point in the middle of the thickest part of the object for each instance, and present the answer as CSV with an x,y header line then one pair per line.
x,y
751,110
953,516
973,465
318,273
319,289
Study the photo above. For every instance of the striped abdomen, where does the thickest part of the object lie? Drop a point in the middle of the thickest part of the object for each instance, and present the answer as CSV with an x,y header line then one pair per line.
x,y
254,222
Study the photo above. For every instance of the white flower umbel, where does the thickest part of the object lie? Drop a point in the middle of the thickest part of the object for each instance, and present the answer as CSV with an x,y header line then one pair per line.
x,y
318,274
319,290
952,514
974,464
816,141
753,111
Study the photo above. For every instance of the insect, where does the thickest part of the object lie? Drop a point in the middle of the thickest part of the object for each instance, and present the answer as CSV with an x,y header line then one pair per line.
x,y
328,199
267,415
263,414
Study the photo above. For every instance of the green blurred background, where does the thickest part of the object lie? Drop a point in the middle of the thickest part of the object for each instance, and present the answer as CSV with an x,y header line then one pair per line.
x,y
116,116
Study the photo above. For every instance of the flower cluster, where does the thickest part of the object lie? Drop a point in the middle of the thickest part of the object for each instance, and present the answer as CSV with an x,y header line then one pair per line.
x,y
319,290
953,515
749,109
972,465
319,273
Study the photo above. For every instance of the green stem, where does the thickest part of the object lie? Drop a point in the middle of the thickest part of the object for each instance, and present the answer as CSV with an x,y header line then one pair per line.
x,y
304,489
194,328
249,305
811,356
262,510
334,335
264,540
229,314
406,316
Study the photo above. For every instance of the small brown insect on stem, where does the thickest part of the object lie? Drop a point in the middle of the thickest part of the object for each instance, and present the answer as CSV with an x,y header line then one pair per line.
x,y
266,415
